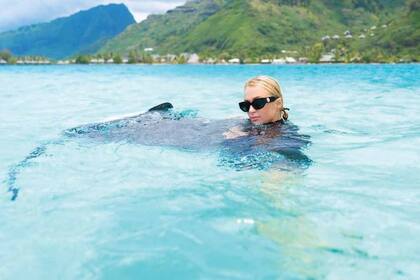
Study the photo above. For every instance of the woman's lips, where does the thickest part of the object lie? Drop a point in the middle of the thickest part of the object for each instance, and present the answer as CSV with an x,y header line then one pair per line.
x,y
254,119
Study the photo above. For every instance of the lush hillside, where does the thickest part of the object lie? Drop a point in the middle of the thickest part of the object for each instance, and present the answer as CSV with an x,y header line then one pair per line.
x,y
256,28
401,37
162,31
83,32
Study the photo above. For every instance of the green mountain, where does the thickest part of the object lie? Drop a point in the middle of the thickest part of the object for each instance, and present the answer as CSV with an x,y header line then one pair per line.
x,y
256,28
84,32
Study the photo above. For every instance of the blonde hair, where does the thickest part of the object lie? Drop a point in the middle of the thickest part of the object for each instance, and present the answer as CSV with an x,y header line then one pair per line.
x,y
272,87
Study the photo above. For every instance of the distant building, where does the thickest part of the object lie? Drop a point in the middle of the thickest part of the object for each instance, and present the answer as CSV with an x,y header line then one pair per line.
x,y
303,60
148,49
349,36
210,61
327,58
193,59
265,61
110,61
2,61
326,38
94,61
279,61
347,32
290,60
155,57
125,60
170,57
336,37
234,61
362,36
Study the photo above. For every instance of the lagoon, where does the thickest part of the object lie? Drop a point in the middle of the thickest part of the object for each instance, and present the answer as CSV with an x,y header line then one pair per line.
x,y
117,210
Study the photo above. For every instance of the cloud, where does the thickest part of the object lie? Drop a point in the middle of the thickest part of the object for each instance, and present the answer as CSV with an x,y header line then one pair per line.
x,y
22,12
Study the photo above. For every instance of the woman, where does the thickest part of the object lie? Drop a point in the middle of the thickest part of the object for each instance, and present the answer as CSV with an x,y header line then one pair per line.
x,y
263,101
295,234
267,138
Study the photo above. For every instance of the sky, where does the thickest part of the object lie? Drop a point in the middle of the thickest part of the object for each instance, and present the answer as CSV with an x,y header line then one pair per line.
x,y
16,13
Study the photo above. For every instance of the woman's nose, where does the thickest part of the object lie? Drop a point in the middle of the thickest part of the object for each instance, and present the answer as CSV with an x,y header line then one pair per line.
x,y
251,109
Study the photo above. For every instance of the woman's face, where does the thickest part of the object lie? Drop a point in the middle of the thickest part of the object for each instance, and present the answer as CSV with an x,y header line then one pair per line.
x,y
269,113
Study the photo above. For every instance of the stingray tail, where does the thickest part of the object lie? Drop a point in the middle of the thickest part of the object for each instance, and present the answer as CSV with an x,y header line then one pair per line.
x,y
16,169
39,151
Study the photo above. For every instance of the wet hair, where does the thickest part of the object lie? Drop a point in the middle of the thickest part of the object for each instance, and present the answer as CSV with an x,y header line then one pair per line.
x,y
272,87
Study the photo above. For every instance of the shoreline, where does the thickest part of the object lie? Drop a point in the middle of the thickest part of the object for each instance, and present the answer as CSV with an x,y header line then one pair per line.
x,y
204,64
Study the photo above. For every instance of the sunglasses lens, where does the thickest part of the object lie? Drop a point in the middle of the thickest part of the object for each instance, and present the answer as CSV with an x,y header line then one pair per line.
x,y
244,106
259,103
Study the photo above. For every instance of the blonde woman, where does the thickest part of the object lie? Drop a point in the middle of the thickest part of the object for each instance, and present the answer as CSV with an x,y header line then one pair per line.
x,y
296,235
263,101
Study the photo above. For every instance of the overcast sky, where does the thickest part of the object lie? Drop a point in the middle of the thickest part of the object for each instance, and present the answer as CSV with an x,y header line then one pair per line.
x,y
15,13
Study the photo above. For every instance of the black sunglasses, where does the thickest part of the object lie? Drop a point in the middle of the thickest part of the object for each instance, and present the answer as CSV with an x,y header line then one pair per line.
x,y
257,103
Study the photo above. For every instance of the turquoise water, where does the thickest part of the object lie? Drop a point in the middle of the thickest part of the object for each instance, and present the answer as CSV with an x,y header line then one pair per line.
x,y
122,211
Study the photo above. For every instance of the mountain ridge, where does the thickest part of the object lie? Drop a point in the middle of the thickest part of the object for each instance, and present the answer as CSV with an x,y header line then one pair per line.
x,y
82,32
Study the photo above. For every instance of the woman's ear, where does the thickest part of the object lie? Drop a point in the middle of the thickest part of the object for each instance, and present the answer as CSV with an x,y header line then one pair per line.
x,y
278,104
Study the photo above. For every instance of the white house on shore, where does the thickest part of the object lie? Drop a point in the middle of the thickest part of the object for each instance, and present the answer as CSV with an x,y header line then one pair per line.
x,y
170,57
290,60
265,61
193,59
155,57
2,61
327,58
234,61
279,61
210,61
303,60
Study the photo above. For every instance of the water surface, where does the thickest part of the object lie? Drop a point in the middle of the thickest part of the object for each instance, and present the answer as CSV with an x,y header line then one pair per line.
x,y
120,210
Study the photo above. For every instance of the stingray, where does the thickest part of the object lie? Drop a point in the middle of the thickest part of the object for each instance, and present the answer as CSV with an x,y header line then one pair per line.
x,y
258,146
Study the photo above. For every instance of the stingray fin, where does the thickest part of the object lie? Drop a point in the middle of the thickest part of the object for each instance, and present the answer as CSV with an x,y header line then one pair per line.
x,y
162,107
